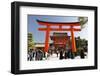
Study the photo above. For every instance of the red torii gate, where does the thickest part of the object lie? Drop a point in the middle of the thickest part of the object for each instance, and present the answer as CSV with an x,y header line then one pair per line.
x,y
60,24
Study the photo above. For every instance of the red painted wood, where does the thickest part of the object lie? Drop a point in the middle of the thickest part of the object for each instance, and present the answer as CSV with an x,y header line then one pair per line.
x,y
48,29
59,23
58,29
73,40
47,39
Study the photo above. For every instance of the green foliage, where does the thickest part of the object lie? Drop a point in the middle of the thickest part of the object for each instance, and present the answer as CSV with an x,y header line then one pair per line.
x,y
80,44
30,41
83,21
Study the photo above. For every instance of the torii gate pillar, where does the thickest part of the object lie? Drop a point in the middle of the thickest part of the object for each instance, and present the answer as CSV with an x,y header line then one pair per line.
x,y
47,39
73,40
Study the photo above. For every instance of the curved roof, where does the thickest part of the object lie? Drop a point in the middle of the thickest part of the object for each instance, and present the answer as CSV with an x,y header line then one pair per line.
x,y
64,23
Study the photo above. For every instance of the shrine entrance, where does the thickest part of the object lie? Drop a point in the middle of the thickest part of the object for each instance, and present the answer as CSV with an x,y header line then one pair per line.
x,y
60,40
48,29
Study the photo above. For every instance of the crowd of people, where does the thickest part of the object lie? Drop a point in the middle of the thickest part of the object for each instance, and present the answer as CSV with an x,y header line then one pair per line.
x,y
38,54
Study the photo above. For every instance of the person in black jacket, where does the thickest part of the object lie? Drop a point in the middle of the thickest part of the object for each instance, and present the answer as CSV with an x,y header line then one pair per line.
x,y
82,55
61,55
65,55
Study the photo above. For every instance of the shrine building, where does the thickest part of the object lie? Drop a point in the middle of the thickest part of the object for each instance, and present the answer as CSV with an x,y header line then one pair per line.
x,y
60,40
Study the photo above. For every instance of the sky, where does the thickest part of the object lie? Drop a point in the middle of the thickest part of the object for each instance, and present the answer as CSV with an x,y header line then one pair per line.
x,y
39,36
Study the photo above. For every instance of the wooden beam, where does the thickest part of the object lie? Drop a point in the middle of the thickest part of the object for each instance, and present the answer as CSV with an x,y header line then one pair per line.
x,y
47,39
59,29
45,23
73,41
59,24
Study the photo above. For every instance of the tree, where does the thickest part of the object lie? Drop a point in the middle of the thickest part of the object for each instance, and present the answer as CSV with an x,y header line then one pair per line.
x,y
30,41
81,44
83,21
